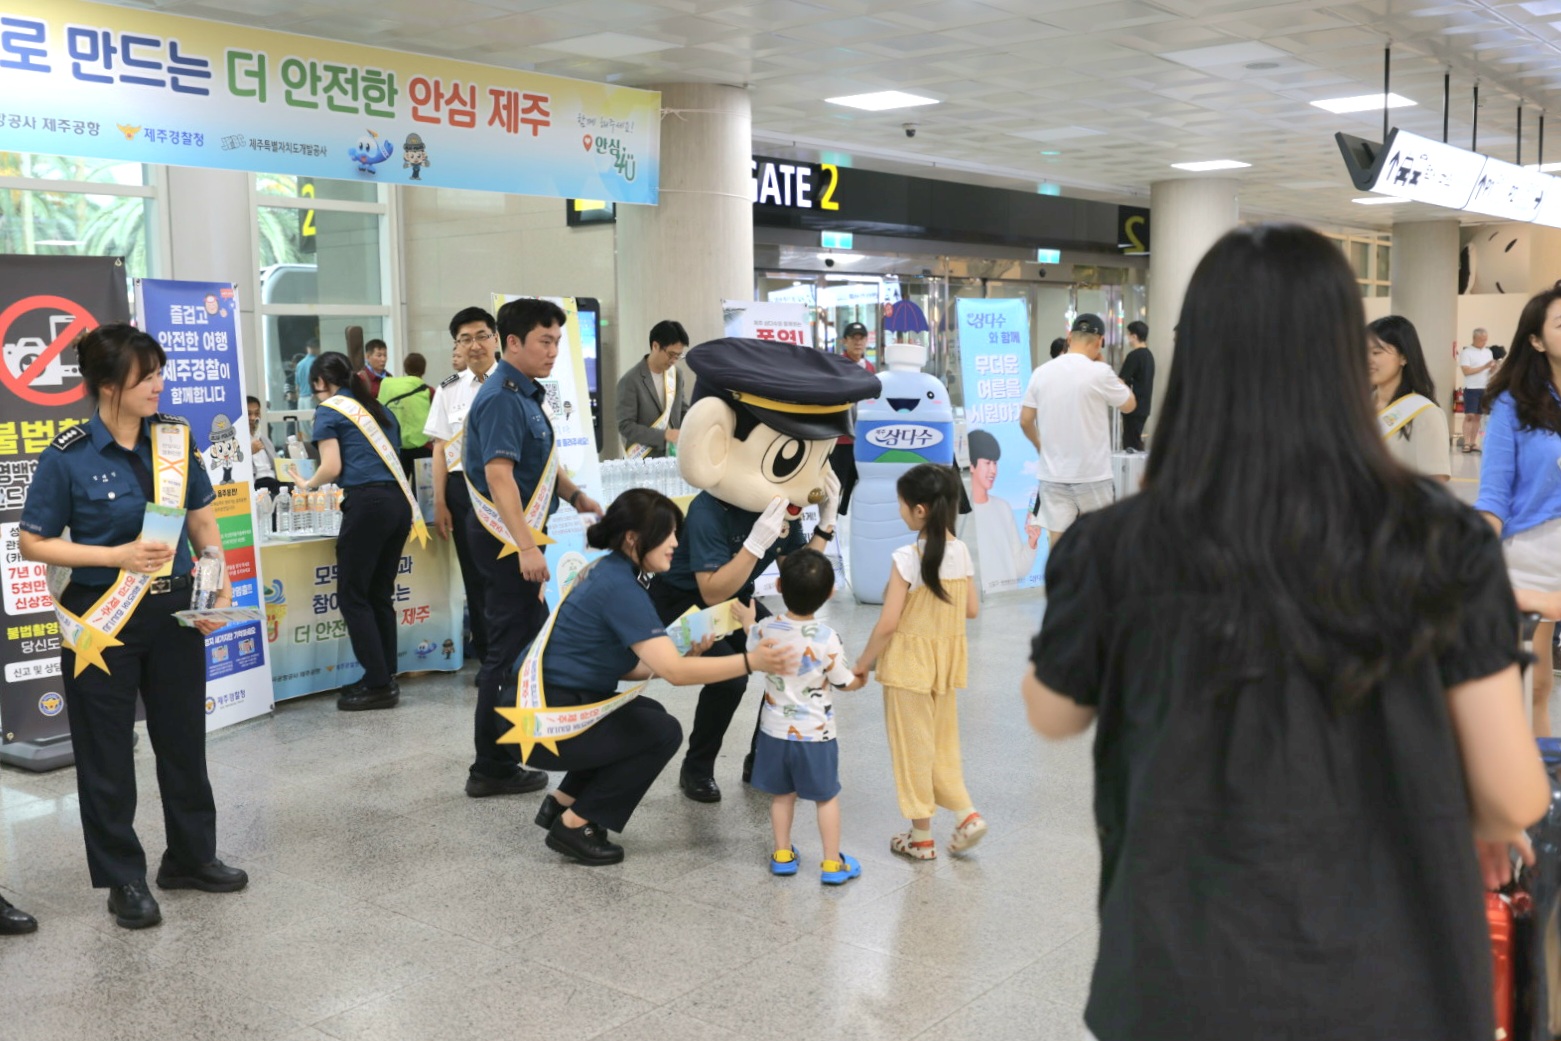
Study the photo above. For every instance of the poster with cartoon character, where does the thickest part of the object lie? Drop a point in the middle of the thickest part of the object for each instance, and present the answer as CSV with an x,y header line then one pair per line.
x,y
223,451
415,154
369,151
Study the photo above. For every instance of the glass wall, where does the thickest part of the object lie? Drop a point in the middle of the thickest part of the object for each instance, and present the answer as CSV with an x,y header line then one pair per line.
x,y
53,205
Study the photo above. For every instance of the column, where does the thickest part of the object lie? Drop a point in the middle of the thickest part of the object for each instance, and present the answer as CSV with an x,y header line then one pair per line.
x,y
1187,217
681,258
1425,290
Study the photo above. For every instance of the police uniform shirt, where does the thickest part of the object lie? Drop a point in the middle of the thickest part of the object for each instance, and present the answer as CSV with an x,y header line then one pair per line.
x,y
360,463
507,421
713,533
451,406
604,616
87,482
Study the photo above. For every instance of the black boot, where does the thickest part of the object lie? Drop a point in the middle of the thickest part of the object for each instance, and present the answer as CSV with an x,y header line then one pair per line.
x,y
133,906
15,922
588,844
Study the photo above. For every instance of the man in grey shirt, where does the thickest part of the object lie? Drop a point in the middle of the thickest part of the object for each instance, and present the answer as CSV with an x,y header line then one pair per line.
x,y
653,395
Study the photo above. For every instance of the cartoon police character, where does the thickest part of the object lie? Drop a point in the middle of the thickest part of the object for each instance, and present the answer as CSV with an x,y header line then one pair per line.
x,y
415,155
370,151
448,647
757,441
225,449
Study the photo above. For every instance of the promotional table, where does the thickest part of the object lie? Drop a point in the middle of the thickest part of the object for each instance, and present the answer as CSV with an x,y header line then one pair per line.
x,y
305,633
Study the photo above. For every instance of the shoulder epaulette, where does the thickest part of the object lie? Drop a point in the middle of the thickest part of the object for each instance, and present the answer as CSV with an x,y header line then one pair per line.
x,y
164,417
452,378
69,436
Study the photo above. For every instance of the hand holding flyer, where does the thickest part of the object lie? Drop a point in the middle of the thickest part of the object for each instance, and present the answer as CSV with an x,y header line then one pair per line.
x,y
164,525
695,625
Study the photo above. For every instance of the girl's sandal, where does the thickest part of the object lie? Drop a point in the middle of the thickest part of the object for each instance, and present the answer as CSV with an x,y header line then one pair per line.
x,y
971,830
906,847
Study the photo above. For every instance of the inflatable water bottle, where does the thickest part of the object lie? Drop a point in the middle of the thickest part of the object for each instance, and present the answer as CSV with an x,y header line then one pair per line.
x,y
909,423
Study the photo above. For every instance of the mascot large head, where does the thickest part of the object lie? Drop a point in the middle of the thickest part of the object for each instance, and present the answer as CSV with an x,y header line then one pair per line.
x,y
764,419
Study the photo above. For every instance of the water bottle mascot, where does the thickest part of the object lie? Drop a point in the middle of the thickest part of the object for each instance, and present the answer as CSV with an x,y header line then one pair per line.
x,y
756,442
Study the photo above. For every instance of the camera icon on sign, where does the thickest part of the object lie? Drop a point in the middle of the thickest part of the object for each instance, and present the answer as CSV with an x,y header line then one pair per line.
x,y
27,349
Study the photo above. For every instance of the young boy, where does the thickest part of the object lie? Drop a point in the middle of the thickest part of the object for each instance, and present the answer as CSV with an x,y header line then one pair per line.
x,y
796,753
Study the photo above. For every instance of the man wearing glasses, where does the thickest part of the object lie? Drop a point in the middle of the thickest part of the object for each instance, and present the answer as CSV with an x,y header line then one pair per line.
x,y
652,396
476,338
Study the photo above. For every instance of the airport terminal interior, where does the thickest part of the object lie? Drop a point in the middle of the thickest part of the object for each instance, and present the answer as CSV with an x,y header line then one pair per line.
x,y
960,182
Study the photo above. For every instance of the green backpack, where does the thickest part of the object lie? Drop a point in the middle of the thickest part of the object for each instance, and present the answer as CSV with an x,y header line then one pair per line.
x,y
408,399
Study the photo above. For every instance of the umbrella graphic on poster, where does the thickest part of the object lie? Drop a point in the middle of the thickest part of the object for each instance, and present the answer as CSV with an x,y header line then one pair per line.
x,y
902,316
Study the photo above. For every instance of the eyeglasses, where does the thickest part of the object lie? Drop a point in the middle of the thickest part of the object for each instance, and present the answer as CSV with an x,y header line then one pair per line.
x,y
468,340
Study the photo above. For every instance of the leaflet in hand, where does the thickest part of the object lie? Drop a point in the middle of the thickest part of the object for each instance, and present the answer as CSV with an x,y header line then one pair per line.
x,y
224,615
164,524
696,624
294,471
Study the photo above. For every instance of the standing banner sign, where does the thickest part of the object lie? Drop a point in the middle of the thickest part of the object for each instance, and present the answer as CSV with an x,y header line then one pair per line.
x,y
197,325
569,406
768,320
45,303
105,82
994,348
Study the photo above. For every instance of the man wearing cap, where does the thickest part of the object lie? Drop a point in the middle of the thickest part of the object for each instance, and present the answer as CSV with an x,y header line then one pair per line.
x,y
853,344
1066,416
652,395
765,416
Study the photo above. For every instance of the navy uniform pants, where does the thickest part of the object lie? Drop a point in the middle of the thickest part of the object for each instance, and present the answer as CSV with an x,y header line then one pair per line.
x,y
473,575
164,663
516,614
375,522
612,765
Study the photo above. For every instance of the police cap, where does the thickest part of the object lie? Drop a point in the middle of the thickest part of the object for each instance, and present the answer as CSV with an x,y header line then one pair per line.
x,y
797,390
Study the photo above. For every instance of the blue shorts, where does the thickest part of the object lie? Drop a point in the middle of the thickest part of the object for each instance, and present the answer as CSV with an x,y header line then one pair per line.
x,y
1472,400
809,768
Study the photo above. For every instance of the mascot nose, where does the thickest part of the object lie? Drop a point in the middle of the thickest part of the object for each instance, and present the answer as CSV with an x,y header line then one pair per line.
x,y
816,496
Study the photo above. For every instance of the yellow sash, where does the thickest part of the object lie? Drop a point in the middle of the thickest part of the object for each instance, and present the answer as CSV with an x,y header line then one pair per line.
x,y
669,384
359,417
98,630
536,510
535,723
1402,412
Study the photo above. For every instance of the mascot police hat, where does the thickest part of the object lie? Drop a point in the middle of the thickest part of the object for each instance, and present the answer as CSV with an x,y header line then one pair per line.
x,y
798,391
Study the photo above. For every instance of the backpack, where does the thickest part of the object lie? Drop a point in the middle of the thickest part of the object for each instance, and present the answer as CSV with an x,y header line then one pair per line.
x,y
409,400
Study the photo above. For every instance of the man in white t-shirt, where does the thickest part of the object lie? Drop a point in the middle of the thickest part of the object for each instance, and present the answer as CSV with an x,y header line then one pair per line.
x,y
1477,363
1067,417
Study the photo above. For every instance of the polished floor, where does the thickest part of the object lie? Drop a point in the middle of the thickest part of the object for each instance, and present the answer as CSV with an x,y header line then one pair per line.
x,y
386,905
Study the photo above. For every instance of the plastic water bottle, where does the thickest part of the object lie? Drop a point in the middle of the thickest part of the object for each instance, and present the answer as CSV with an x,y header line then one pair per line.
x,y
284,513
263,506
336,497
295,448
208,579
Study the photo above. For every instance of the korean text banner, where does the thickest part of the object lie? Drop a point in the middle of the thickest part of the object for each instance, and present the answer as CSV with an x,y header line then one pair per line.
x,y
994,349
104,82
45,303
197,325
768,320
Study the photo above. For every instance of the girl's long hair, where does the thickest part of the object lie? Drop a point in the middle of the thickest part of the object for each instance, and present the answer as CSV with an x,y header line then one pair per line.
x,y
334,368
1306,546
1525,373
1399,333
937,490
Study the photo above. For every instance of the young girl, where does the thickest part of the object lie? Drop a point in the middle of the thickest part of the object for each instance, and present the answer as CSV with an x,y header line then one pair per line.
x,y
921,635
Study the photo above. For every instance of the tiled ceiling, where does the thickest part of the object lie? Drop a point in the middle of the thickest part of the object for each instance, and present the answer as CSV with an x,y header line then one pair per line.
x,y
1162,81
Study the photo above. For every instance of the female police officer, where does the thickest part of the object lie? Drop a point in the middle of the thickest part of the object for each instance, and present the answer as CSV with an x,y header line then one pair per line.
x,y
97,480
607,629
359,442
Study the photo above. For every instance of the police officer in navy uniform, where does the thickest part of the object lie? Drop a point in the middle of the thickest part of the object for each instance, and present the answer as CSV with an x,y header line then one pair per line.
x,y
509,437
96,480
765,417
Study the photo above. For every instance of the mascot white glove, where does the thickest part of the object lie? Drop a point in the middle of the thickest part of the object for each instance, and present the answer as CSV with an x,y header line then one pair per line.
x,y
829,509
767,528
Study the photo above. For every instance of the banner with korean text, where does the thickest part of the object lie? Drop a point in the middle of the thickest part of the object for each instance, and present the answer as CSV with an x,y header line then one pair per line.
x,y
994,349
768,320
203,383
101,81
45,303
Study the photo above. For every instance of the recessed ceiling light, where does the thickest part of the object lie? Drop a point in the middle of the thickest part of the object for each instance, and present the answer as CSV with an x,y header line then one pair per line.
x,y
1362,103
1051,151
882,101
1378,200
1211,164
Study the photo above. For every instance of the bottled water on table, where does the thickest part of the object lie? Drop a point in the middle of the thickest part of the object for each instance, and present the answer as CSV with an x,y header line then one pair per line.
x,y
284,513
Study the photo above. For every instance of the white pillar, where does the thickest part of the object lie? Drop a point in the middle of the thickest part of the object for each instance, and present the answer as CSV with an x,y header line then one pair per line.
x,y
1187,217
681,258
1425,290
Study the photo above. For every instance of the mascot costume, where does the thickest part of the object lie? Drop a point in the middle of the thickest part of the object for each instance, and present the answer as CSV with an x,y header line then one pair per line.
x,y
756,442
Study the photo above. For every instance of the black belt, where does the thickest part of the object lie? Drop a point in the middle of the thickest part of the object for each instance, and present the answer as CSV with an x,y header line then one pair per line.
x,y
166,584
372,484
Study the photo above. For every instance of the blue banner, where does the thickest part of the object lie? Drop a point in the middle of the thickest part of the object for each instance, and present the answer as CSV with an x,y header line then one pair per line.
x,y
994,348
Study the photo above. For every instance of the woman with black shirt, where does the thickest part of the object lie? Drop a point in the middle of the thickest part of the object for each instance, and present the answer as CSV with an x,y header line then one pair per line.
x,y
359,444
1303,660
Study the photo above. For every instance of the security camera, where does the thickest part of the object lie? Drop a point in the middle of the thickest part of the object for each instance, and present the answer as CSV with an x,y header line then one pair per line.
x,y
829,261
910,129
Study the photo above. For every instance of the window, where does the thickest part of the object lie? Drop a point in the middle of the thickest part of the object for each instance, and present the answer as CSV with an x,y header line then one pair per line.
x,y
53,205
1370,256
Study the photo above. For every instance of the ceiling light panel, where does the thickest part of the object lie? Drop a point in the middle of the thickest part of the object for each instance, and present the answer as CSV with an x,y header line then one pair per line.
x,y
1361,103
1206,165
882,101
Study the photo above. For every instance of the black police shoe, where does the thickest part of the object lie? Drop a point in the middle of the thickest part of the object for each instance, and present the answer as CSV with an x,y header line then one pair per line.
x,y
361,699
215,877
15,922
548,812
588,844
699,788
519,783
133,906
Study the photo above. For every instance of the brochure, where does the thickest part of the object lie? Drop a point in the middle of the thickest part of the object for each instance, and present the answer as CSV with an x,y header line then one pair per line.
x,y
696,624
225,615
294,471
166,525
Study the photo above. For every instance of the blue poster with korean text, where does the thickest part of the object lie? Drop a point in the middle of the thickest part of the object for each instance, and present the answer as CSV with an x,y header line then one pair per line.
x,y
197,325
994,348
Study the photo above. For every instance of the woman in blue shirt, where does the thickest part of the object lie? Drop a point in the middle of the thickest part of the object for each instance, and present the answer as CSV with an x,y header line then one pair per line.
x,y
1520,473
97,480
376,516
607,630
